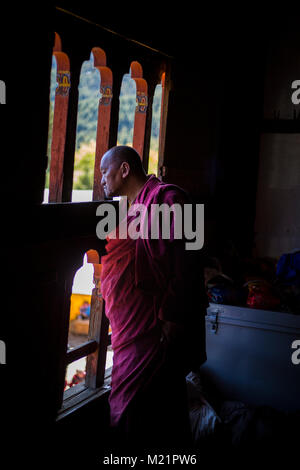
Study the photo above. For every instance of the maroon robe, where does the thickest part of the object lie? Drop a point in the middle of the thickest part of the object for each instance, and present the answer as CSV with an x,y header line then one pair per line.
x,y
143,283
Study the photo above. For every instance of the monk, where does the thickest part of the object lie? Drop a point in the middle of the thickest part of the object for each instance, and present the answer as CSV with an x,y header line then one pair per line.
x,y
158,333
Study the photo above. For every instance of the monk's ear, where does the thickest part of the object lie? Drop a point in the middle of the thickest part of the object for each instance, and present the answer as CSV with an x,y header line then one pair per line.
x,y
125,169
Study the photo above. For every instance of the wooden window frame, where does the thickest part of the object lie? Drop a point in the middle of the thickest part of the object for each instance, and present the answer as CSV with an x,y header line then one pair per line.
x,y
59,125
69,61
95,349
64,121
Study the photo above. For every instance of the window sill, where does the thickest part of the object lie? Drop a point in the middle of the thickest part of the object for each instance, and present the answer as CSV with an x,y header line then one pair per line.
x,y
82,395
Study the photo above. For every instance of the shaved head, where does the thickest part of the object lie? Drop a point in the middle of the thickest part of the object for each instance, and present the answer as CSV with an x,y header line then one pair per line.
x,y
122,171
123,153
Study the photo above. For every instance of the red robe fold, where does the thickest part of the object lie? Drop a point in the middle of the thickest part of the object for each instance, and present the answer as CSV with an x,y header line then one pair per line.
x,y
143,283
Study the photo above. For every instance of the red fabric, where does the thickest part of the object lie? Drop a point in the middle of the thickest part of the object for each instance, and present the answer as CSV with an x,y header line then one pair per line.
x,y
142,282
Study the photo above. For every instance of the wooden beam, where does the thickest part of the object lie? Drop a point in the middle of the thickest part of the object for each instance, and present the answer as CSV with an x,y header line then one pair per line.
x,y
80,351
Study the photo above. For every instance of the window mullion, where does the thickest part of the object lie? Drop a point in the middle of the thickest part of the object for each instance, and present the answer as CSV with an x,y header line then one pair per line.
x,y
80,351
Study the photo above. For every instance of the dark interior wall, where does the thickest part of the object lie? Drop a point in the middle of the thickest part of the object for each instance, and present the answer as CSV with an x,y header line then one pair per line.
x,y
236,150
282,68
213,130
277,229
25,59
277,203
215,107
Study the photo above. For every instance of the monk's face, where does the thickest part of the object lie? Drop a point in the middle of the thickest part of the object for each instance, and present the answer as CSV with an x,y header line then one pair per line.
x,y
112,180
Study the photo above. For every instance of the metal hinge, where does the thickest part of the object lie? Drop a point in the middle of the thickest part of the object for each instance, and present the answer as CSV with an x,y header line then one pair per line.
x,y
213,317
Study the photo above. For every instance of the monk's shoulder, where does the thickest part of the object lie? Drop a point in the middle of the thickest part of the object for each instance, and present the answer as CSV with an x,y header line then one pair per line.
x,y
170,194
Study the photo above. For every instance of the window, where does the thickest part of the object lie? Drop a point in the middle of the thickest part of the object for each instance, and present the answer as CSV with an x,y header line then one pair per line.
x,y
155,130
57,129
126,111
80,304
92,132
90,111
133,109
53,86
140,107
88,340
93,107
87,118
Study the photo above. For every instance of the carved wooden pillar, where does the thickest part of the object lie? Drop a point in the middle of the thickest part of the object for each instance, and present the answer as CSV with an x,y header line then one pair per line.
x,y
115,107
98,329
70,144
141,107
148,128
163,121
59,122
103,124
